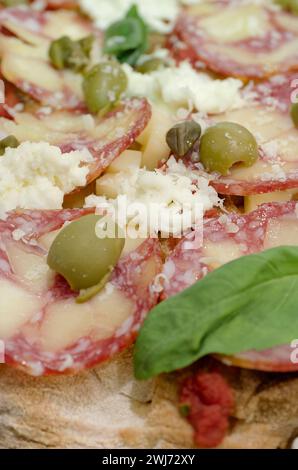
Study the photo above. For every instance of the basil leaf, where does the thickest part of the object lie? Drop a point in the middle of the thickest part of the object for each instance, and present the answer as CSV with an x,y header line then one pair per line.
x,y
124,35
250,303
127,39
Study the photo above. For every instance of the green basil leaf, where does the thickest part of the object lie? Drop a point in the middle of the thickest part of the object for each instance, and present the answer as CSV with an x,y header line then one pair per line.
x,y
250,303
124,35
130,57
127,39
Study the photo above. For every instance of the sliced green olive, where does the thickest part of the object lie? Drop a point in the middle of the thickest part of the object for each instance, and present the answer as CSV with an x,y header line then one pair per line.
x,y
66,53
225,144
87,294
294,114
150,65
9,141
182,137
103,86
81,257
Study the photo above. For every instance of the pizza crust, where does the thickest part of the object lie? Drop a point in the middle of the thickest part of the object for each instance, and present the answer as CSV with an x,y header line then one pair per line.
x,y
106,408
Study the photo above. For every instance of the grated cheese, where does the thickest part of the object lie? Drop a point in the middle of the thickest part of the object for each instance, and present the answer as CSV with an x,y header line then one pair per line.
x,y
183,87
38,175
174,194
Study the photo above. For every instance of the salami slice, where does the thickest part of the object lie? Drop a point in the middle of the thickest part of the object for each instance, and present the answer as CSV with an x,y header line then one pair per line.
x,y
44,330
226,238
13,101
24,54
57,4
268,119
237,39
106,138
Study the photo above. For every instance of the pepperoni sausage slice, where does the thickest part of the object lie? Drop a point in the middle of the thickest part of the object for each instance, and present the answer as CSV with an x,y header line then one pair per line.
x,y
24,46
226,238
106,138
13,99
268,119
44,330
237,39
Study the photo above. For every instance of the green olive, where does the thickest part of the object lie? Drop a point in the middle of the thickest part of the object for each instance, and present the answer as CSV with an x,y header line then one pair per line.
x,y
150,65
290,5
225,144
9,141
103,86
182,137
294,114
13,3
66,53
81,257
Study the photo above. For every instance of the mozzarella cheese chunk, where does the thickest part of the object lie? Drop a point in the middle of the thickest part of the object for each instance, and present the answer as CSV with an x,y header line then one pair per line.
x,y
184,87
38,175
160,15
158,201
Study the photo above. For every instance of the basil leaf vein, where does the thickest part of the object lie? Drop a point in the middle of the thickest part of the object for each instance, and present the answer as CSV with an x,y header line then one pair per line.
x,y
250,303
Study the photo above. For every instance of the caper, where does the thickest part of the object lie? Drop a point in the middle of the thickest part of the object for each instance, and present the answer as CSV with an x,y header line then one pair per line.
x,y
86,44
103,86
59,52
225,144
182,137
9,141
80,256
66,53
294,114
150,65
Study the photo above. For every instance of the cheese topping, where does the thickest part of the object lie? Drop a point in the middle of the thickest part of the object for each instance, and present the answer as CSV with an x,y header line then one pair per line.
x,y
160,15
165,200
37,175
184,87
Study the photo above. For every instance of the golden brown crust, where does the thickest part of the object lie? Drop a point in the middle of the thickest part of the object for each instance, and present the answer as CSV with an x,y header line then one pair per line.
x,y
107,408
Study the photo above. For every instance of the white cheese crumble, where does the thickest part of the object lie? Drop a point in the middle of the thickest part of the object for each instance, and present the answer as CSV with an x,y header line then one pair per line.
x,y
38,175
167,193
184,87
160,15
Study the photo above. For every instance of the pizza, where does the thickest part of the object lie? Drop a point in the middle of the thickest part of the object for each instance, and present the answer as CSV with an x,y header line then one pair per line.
x,y
149,224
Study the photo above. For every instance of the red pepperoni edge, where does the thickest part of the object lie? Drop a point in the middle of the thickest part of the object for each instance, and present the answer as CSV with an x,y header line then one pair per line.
x,y
208,401
105,154
279,91
229,187
141,109
187,42
185,266
85,353
60,4
12,97
65,98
